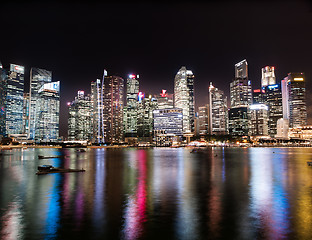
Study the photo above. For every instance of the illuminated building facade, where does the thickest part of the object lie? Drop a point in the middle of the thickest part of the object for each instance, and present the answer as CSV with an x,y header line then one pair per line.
x,y
12,100
38,77
184,97
79,118
257,96
268,76
97,110
168,125
146,106
241,98
273,99
131,108
238,121
258,120
113,109
203,120
240,87
47,129
218,111
26,111
164,100
294,99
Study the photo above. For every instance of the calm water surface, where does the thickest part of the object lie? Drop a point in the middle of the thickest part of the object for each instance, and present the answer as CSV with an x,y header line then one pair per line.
x,y
161,193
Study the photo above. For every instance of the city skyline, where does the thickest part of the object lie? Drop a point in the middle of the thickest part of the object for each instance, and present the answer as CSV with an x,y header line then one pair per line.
x,y
77,41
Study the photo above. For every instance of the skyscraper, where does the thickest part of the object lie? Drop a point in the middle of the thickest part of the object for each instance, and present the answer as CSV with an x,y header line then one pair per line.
x,y
294,99
113,109
184,97
218,111
272,97
203,119
131,109
164,100
38,77
44,106
268,76
258,120
79,118
12,90
97,110
240,98
146,106
240,87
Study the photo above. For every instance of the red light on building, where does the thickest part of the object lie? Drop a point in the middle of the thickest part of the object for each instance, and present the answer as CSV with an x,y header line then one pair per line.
x,y
256,91
163,93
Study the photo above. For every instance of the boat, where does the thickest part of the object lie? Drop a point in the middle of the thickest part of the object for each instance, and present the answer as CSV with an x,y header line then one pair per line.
x,y
45,169
81,150
44,157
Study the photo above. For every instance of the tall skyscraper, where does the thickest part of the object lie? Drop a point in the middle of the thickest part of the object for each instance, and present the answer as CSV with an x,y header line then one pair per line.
x,y
268,76
97,112
203,120
113,109
38,77
218,111
184,97
240,98
294,99
79,118
240,87
26,113
146,106
12,91
131,109
272,97
44,107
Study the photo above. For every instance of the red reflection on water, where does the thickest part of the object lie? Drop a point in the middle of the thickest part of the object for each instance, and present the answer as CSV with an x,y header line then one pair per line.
x,y
135,214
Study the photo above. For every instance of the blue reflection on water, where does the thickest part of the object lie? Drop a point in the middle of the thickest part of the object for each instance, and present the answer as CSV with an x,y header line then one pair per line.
x,y
53,208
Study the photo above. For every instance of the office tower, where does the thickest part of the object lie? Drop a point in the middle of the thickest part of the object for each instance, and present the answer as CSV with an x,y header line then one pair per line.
x,y
240,87
164,100
273,99
257,96
268,76
26,111
131,110
218,111
168,126
241,98
294,99
38,77
3,79
203,120
97,110
282,128
47,129
258,120
79,118
238,121
12,90
184,97
146,106
113,93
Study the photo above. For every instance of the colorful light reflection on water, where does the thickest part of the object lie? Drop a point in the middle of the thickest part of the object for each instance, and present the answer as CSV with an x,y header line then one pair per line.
x,y
162,193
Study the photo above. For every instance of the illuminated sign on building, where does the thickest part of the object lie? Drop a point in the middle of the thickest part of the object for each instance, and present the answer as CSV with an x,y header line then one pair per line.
x,y
16,68
163,93
258,107
140,96
50,87
273,86
298,79
131,76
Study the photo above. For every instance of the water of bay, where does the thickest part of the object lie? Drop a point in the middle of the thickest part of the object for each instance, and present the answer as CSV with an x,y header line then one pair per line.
x,y
160,193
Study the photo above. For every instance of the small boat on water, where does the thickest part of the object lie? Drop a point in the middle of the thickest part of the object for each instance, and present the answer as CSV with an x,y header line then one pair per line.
x,y
44,157
81,150
45,169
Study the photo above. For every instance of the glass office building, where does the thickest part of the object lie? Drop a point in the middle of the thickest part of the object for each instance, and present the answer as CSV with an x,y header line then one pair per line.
x,y
184,97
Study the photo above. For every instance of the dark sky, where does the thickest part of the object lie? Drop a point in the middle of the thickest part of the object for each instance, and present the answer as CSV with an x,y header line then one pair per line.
x,y
77,40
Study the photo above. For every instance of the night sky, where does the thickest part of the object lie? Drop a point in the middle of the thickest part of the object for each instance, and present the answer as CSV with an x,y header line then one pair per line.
x,y
77,40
